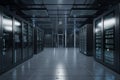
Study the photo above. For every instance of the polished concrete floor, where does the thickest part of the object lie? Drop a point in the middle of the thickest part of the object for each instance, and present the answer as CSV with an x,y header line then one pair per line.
x,y
60,64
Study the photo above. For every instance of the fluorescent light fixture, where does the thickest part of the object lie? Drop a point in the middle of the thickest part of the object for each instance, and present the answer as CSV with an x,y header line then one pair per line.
x,y
17,23
7,22
8,28
109,23
100,24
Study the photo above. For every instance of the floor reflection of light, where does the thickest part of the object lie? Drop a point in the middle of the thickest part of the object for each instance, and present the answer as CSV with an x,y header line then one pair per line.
x,y
23,69
54,51
14,72
75,51
110,77
60,72
75,56
29,65
14,75
66,54
66,50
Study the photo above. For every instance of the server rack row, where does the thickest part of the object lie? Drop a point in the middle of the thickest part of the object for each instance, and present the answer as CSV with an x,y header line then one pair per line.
x,y
107,39
16,40
38,40
85,40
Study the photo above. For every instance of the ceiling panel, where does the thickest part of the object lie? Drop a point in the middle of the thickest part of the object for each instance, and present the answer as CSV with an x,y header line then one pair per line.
x,y
83,12
58,1
56,11
35,13
58,7
77,19
38,1
84,1
27,1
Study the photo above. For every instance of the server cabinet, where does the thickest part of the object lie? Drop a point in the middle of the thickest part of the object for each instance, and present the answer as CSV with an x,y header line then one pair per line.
x,y
0,43
41,40
106,39
98,40
17,34
85,39
1,55
7,41
109,38
30,41
13,40
38,40
35,41
25,41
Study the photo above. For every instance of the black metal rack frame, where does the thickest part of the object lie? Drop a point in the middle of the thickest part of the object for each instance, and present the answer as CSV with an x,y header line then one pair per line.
x,y
116,65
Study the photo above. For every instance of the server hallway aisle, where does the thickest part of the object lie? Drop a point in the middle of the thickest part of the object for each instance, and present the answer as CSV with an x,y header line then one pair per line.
x,y
60,64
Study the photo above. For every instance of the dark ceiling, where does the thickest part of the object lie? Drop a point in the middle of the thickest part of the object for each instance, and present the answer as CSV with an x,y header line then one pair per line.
x,y
51,14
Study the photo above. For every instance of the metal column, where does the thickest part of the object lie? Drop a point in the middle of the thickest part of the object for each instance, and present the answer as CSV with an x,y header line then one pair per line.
x,y
65,31
74,31
56,32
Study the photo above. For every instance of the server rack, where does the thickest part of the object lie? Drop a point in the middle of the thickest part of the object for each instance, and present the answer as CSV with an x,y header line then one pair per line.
x,y
42,40
11,40
17,40
85,39
35,41
7,41
38,40
25,41
30,40
107,39
0,43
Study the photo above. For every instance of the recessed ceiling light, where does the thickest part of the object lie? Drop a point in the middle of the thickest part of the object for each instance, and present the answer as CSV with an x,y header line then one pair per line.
x,y
60,1
60,22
